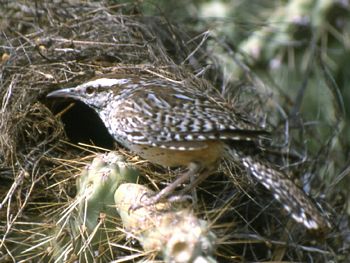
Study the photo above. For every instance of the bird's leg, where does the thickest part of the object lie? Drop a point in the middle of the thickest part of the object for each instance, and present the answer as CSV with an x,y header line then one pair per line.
x,y
193,169
194,182
197,180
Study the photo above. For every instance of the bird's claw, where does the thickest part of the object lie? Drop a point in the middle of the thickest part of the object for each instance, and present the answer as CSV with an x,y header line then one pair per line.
x,y
155,199
142,203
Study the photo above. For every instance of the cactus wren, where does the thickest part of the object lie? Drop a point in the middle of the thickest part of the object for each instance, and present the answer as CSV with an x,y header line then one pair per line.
x,y
172,124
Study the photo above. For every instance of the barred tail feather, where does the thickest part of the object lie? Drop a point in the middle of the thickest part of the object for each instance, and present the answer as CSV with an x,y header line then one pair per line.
x,y
294,200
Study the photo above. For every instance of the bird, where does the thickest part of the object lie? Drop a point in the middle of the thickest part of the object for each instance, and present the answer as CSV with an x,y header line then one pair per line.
x,y
172,123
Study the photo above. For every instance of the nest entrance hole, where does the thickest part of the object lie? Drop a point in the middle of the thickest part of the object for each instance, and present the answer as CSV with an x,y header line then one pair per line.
x,y
81,123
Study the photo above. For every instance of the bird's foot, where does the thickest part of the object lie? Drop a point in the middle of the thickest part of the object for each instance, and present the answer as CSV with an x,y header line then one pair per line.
x,y
149,199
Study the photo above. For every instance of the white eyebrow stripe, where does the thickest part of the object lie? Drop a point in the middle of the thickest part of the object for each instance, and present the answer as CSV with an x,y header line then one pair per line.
x,y
104,82
181,96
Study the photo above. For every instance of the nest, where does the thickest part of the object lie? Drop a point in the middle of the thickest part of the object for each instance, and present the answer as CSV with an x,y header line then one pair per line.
x,y
54,46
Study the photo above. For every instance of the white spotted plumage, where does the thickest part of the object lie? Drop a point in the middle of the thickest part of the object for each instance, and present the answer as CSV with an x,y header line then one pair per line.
x,y
294,200
162,112
155,112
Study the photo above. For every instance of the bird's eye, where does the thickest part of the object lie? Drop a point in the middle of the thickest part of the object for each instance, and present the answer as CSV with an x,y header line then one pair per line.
x,y
90,90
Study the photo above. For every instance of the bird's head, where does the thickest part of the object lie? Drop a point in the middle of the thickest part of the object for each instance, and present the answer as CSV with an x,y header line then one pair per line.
x,y
94,93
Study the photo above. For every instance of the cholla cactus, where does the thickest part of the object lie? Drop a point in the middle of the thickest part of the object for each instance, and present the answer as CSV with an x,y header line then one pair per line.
x,y
97,184
179,235
83,218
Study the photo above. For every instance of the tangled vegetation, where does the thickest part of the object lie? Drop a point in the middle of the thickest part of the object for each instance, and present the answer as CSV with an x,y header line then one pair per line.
x,y
47,147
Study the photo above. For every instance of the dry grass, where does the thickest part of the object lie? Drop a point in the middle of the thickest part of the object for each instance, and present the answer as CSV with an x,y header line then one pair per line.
x,y
46,46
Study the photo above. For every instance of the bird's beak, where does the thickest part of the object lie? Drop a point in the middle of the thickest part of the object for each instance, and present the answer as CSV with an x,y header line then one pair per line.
x,y
63,93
